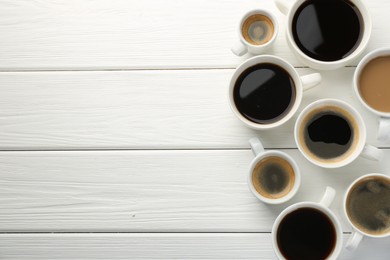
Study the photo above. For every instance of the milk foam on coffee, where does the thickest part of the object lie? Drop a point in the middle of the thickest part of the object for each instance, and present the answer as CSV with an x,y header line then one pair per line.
x,y
258,29
374,83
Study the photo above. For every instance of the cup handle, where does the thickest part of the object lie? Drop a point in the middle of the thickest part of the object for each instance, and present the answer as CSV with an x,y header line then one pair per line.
x,y
384,129
328,197
239,49
372,153
311,80
354,241
284,5
256,146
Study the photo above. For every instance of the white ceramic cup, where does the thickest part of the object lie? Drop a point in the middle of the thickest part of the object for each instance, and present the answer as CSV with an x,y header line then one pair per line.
x,y
289,7
384,117
359,234
360,148
260,154
243,46
302,83
322,206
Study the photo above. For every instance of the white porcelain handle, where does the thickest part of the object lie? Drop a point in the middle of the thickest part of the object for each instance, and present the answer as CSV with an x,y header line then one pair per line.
x,y
239,49
354,241
311,80
284,5
372,153
256,146
384,129
328,197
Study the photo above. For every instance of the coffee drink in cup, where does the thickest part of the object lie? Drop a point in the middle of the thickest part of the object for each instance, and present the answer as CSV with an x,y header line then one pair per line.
x,y
306,233
368,205
273,177
257,29
374,83
329,133
327,30
264,93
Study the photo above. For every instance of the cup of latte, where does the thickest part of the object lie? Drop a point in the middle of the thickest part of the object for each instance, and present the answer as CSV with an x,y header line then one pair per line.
x,y
367,208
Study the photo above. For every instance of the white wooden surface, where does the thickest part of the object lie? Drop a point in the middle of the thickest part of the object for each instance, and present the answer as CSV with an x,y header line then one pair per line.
x,y
117,140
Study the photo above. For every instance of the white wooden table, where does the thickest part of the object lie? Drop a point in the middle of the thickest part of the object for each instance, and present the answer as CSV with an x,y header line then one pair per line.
x,y
117,141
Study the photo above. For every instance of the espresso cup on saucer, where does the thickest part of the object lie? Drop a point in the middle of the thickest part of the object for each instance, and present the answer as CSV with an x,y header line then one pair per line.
x,y
308,230
326,34
265,91
273,176
330,133
257,31
367,208
371,84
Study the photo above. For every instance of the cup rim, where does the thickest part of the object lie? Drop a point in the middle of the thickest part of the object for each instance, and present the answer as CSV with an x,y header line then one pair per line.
x,y
345,204
264,12
380,52
293,164
360,123
358,51
266,59
306,204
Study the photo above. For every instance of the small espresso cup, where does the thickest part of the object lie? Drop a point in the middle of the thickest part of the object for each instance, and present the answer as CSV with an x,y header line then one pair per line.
x,y
330,133
265,91
257,31
371,84
307,26
367,208
308,230
273,176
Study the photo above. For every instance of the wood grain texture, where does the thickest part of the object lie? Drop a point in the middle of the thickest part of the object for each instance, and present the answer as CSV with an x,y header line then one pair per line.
x,y
160,246
150,191
181,109
104,34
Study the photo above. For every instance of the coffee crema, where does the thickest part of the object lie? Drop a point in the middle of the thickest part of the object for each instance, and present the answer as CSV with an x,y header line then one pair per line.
x,y
273,177
329,134
368,205
264,93
258,29
374,83
306,233
327,30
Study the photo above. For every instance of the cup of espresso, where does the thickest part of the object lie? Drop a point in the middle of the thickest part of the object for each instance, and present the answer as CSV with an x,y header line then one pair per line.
x,y
274,176
257,31
371,84
330,133
367,208
265,91
326,34
308,230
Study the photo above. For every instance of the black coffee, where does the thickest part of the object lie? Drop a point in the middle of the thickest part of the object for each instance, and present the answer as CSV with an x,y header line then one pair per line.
x,y
328,134
327,30
306,233
368,205
264,93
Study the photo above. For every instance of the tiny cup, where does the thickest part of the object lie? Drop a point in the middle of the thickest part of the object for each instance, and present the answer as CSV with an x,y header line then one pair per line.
x,y
273,176
257,31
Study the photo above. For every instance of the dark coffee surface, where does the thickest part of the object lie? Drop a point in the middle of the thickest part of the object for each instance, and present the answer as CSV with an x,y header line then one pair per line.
x,y
264,93
328,134
327,30
273,177
368,205
306,233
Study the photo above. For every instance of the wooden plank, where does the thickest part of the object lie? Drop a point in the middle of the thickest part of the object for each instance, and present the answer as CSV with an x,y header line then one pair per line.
x,y
150,191
181,109
160,246
104,34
